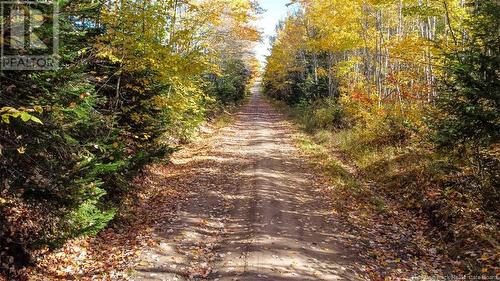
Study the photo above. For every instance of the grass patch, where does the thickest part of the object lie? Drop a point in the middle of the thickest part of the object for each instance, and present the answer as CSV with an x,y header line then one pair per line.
x,y
224,119
343,183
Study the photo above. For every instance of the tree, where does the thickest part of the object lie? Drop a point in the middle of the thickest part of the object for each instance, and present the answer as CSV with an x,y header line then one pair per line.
x,y
469,96
467,117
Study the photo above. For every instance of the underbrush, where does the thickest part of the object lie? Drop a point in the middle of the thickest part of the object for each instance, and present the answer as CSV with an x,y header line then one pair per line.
x,y
322,114
382,159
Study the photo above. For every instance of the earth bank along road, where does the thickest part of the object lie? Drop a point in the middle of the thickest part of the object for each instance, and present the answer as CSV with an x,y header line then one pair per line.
x,y
258,214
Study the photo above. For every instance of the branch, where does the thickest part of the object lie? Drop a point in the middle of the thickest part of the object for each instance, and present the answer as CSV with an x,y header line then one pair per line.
x,y
449,22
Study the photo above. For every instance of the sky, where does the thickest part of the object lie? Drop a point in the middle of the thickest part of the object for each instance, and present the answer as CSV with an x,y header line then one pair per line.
x,y
276,10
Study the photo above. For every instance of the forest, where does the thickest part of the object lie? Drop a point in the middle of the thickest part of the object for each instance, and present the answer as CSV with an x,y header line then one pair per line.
x,y
409,92
135,80
394,105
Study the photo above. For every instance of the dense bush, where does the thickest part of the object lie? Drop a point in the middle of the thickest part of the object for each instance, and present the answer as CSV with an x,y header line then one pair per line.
x,y
230,87
322,114
54,170
469,99
466,120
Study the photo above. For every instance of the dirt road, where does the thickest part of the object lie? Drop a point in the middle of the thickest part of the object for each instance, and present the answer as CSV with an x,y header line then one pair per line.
x,y
256,214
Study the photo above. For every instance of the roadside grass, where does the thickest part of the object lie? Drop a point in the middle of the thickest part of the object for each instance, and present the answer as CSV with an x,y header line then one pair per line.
x,y
224,119
343,175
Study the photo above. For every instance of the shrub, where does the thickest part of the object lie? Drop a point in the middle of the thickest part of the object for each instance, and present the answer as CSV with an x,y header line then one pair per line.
x,y
323,114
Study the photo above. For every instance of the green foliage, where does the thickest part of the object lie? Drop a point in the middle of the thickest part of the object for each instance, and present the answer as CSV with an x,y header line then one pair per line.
x,y
230,87
469,101
466,121
10,112
322,114
87,218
